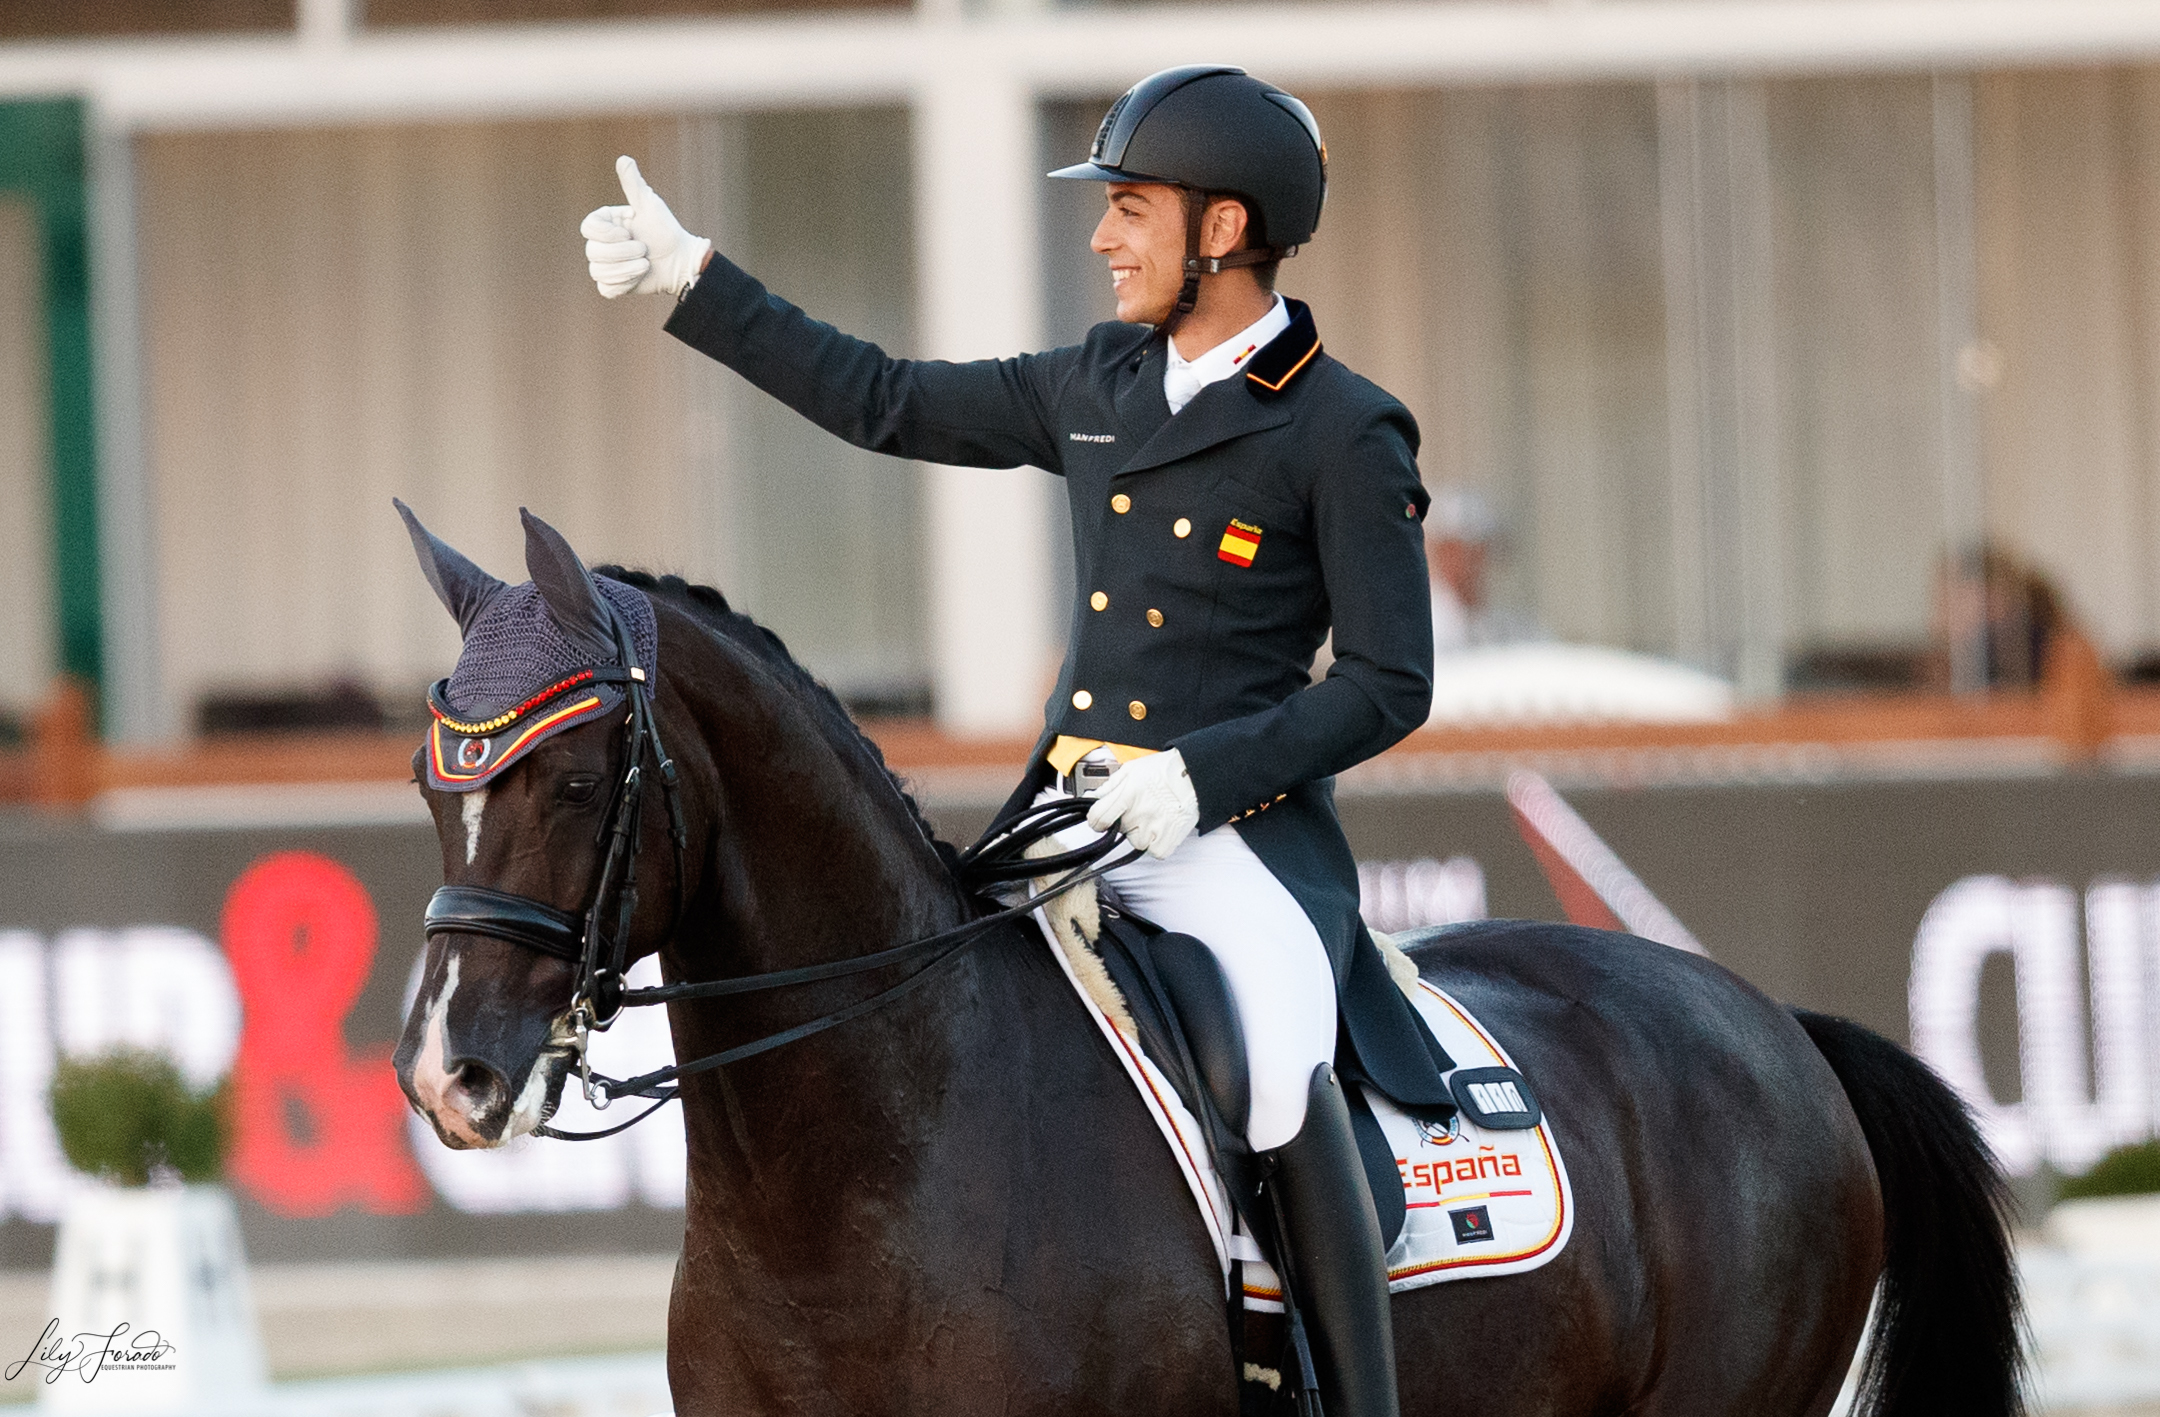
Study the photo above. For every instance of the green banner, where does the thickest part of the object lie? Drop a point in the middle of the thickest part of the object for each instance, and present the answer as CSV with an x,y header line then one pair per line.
x,y
42,160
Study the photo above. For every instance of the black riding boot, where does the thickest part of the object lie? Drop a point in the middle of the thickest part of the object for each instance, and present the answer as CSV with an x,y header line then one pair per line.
x,y
1334,1243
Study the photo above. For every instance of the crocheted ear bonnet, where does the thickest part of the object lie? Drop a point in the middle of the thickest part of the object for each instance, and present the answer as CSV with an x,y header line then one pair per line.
x,y
536,656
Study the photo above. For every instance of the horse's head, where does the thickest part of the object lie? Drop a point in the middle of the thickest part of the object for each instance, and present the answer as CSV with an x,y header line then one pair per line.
x,y
524,771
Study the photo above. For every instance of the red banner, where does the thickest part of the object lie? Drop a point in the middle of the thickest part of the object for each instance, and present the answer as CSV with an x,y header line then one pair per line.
x,y
317,1125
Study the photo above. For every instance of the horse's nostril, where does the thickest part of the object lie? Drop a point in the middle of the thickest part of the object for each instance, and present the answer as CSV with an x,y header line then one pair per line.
x,y
482,1085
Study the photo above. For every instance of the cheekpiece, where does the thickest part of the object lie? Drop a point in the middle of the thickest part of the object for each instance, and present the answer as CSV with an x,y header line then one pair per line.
x,y
519,681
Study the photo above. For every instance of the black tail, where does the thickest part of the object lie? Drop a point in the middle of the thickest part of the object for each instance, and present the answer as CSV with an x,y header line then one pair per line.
x,y
1948,1323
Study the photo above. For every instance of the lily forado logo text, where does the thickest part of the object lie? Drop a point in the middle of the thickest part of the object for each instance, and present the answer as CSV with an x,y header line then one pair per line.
x,y
86,1355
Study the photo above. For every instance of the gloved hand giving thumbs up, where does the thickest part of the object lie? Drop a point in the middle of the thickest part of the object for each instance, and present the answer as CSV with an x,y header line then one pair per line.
x,y
641,247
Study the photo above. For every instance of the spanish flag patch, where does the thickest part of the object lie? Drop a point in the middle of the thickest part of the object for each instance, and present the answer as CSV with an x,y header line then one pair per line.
x,y
1240,543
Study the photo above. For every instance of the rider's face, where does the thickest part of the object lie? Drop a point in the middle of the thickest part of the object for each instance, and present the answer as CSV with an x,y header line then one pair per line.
x,y
1143,234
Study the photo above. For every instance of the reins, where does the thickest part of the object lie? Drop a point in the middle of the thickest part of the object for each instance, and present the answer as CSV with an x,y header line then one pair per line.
x,y
601,956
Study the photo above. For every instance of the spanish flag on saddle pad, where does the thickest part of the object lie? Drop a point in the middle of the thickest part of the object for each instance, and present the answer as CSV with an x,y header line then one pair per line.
x,y
1240,543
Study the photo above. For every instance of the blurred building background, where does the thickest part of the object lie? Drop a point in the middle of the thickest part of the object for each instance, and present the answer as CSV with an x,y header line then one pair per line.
x,y
1742,316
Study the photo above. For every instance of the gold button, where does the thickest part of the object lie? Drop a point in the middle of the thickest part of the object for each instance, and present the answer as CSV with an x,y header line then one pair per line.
x,y
1121,504
1083,700
1099,601
1136,709
1154,617
1181,527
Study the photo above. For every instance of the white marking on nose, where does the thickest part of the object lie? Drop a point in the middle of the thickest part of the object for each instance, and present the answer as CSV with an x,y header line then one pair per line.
x,y
475,804
432,1080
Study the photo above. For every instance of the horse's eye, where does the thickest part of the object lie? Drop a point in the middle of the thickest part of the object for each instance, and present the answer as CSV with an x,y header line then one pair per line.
x,y
579,790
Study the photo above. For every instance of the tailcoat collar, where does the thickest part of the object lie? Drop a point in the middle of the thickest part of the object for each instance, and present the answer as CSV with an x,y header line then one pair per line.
x,y
1223,410
1286,356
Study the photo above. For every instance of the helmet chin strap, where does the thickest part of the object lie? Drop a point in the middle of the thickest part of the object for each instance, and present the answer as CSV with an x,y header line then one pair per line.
x,y
1197,265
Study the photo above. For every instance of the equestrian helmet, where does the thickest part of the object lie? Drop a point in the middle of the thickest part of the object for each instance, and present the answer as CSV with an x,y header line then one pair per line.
x,y
1214,129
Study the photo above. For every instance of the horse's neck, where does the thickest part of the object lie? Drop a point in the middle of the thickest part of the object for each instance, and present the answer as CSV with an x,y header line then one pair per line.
x,y
821,855
825,861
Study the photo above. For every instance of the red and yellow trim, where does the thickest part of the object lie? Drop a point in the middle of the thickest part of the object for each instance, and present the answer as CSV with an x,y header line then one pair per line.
x,y
445,771
509,716
1277,386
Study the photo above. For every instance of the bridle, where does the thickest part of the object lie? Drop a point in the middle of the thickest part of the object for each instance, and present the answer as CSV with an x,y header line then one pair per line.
x,y
601,954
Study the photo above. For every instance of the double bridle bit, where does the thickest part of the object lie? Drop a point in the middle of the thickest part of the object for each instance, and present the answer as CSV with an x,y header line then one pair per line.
x,y
601,956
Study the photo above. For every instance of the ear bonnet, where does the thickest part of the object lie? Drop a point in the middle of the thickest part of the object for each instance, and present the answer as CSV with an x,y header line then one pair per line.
x,y
539,658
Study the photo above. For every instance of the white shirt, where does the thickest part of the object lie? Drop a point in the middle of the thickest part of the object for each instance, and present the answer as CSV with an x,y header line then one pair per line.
x,y
1184,378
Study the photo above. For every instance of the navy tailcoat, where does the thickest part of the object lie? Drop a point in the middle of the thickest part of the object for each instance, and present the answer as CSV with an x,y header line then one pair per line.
x,y
1213,552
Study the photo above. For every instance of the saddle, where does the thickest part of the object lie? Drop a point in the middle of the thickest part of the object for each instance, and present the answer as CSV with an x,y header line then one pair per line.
x,y
1170,991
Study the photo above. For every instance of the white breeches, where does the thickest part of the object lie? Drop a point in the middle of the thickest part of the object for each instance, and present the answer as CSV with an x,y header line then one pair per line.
x,y
1214,889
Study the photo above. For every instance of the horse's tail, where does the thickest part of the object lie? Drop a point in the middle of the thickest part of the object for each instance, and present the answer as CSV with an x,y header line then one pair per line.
x,y
1948,1327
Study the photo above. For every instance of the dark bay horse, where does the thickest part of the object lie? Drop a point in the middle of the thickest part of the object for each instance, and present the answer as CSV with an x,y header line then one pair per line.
x,y
956,1204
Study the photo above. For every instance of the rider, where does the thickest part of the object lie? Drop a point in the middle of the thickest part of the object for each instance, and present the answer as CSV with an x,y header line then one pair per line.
x,y
1235,494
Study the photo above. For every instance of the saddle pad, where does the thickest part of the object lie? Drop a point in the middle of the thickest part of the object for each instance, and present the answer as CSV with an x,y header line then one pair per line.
x,y
1480,1203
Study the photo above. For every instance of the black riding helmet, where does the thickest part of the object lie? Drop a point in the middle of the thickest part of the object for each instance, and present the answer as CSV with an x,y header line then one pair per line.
x,y
1213,130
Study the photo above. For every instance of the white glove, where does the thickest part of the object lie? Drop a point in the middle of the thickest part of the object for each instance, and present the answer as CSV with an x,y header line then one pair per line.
x,y
640,248
1152,801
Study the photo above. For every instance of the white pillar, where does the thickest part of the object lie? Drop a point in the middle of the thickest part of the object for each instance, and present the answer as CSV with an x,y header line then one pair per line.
x,y
1721,370
979,295
137,708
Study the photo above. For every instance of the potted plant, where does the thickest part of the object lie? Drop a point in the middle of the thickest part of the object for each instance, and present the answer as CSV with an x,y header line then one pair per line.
x,y
2113,1209
151,1309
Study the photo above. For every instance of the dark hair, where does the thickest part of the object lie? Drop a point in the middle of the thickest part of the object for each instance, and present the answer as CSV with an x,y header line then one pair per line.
x,y
2022,610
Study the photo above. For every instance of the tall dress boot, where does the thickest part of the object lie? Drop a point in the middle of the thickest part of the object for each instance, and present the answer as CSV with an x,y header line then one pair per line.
x,y
1333,1236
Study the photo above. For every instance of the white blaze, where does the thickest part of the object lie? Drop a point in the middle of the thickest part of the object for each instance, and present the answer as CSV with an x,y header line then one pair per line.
x,y
475,804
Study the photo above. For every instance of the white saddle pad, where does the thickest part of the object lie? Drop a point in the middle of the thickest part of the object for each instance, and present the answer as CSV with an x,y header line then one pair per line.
x,y
1480,1202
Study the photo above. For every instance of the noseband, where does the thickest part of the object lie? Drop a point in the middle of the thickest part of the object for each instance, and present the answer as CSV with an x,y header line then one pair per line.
x,y
601,955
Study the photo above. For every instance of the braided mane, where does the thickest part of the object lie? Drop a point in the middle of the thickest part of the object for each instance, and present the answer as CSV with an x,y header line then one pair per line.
x,y
710,608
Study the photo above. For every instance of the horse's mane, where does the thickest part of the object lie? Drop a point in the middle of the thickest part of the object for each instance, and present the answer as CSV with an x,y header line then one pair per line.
x,y
710,608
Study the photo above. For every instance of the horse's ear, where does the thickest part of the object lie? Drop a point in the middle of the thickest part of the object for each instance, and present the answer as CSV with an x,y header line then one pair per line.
x,y
567,589
464,589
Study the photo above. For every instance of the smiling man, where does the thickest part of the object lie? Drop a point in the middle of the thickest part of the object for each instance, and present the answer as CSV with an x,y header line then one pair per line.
x,y
1236,495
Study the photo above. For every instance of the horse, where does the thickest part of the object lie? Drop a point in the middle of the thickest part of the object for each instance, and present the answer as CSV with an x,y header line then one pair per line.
x,y
955,1201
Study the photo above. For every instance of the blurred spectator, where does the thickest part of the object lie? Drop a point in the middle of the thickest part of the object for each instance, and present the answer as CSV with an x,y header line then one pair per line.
x,y
2005,609
1461,538
1494,668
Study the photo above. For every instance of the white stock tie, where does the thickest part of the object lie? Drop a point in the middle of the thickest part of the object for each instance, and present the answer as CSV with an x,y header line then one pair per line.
x,y
1180,383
